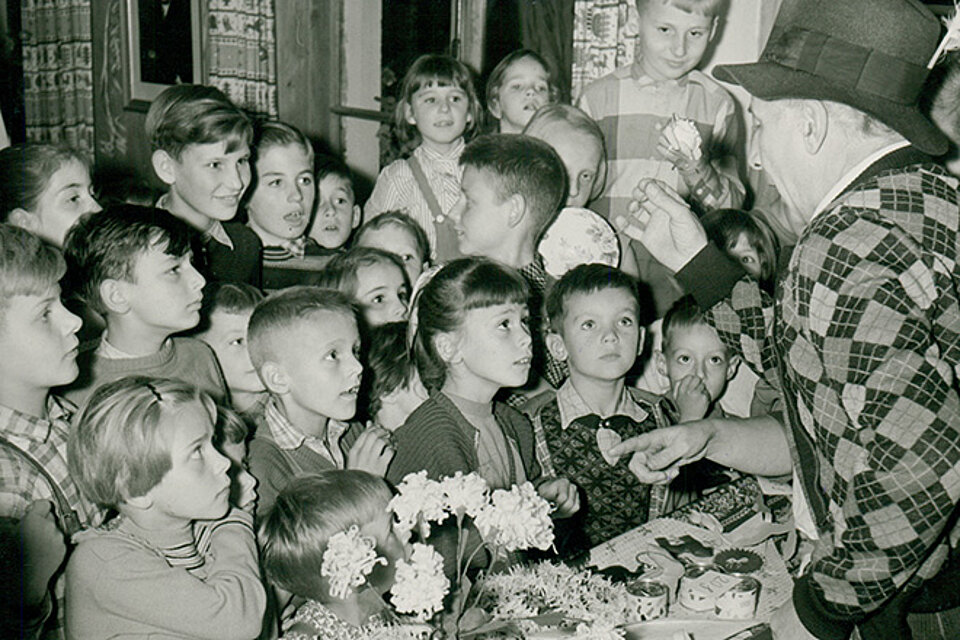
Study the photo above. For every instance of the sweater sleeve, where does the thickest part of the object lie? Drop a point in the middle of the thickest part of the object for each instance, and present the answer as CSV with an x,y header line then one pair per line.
x,y
430,440
122,580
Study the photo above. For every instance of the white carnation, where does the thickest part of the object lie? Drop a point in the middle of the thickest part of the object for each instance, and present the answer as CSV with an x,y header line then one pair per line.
x,y
420,585
348,560
418,498
464,493
517,518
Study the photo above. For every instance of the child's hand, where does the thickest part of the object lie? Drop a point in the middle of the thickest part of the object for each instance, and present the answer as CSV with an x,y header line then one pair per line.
x,y
692,398
244,489
43,549
372,452
563,494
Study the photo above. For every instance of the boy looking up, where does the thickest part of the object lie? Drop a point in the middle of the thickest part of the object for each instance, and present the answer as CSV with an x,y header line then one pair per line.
x,y
593,313
39,346
512,188
636,106
133,265
201,151
338,213
305,344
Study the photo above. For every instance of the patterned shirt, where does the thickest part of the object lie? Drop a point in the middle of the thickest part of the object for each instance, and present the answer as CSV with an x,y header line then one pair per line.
x,y
863,340
632,108
396,188
287,436
313,621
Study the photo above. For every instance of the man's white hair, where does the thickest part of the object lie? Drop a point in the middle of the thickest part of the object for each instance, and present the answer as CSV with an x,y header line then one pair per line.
x,y
854,122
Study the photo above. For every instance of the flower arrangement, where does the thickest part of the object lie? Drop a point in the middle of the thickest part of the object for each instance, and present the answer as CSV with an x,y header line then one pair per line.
x,y
348,560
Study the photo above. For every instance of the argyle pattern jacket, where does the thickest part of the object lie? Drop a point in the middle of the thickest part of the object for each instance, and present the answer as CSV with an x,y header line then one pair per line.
x,y
863,340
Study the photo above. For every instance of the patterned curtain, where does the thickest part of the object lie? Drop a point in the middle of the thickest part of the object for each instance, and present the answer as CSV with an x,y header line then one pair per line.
x,y
58,72
604,33
243,53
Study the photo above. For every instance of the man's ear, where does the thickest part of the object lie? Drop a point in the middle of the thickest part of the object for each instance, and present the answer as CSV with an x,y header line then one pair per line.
x,y
517,211
732,366
25,220
274,378
814,122
355,222
448,347
113,296
556,347
164,166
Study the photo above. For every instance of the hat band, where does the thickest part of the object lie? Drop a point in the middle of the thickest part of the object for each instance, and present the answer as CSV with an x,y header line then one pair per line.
x,y
848,65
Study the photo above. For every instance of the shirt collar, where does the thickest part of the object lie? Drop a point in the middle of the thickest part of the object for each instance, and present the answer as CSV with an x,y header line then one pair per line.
x,y
286,435
573,406
643,79
219,234
453,155
37,429
848,178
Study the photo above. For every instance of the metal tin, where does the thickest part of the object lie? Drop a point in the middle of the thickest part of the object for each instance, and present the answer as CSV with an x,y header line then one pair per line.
x,y
688,594
652,598
740,601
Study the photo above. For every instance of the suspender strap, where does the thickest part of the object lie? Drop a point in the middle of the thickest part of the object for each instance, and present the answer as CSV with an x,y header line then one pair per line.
x,y
425,189
69,521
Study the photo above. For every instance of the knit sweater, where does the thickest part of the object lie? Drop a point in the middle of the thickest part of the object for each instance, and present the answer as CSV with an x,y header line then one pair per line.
x,y
438,438
180,358
241,263
121,585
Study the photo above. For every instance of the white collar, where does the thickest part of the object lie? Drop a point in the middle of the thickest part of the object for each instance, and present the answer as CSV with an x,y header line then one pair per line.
x,y
847,179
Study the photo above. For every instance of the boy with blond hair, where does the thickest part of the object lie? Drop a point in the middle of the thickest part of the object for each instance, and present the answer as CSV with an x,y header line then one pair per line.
x,y
133,266
177,561
661,117
305,345
200,143
39,346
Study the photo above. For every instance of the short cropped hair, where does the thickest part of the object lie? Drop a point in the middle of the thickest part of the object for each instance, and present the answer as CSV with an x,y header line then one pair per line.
x,y
25,172
341,272
684,314
230,297
585,279
328,165
186,114
107,245
550,115
28,265
389,364
230,428
402,220
283,311
521,165
117,449
308,512
708,8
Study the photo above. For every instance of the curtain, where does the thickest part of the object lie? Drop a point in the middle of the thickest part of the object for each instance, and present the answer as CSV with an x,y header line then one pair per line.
x,y
604,33
243,53
58,72
547,28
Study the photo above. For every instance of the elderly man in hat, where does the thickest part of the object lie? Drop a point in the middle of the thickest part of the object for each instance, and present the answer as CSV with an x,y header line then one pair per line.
x,y
863,336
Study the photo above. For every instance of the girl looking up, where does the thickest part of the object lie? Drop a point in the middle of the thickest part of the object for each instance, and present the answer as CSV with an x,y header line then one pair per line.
x,y
747,238
518,86
437,110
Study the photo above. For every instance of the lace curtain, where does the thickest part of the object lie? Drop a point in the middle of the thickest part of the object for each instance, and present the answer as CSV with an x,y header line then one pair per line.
x,y
58,72
243,53
604,33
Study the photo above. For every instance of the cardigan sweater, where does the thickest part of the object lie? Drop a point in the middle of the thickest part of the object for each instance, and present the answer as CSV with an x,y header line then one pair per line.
x,y
242,263
438,438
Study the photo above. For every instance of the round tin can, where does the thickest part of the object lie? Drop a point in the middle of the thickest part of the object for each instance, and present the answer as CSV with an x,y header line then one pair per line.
x,y
740,601
652,598
687,595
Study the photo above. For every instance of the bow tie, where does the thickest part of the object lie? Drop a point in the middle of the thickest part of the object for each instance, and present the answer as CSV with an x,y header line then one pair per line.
x,y
608,432
296,247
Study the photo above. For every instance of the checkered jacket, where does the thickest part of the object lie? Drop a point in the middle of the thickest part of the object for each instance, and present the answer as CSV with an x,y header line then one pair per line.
x,y
865,340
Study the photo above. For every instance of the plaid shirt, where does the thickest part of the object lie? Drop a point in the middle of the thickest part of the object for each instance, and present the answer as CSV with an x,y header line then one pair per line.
x,y
287,436
865,339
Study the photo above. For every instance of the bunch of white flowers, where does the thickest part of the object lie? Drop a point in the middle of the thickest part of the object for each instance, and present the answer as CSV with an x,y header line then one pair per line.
x,y
420,585
464,494
517,518
348,560
419,500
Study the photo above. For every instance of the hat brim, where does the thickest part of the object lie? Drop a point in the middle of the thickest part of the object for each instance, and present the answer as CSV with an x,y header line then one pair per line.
x,y
771,81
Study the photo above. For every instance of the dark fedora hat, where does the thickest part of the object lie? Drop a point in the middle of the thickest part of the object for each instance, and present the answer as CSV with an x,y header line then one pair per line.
x,y
869,54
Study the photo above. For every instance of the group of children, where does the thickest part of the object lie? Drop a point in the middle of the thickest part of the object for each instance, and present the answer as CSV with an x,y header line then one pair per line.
x,y
247,389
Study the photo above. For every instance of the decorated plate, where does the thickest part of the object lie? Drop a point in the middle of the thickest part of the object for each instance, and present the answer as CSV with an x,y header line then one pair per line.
x,y
578,236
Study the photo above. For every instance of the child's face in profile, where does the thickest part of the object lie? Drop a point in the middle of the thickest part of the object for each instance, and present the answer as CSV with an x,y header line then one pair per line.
x,y
580,153
398,241
209,179
67,196
337,213
493,348
440,113
483,215
282,202
525,88
697,351
383,293
320,363
165,293
197,485
747,254
38,340
227,336
600,335
671,41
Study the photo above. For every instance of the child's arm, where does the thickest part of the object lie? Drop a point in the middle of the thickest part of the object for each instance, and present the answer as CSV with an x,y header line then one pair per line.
x,y
562,494
126,580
